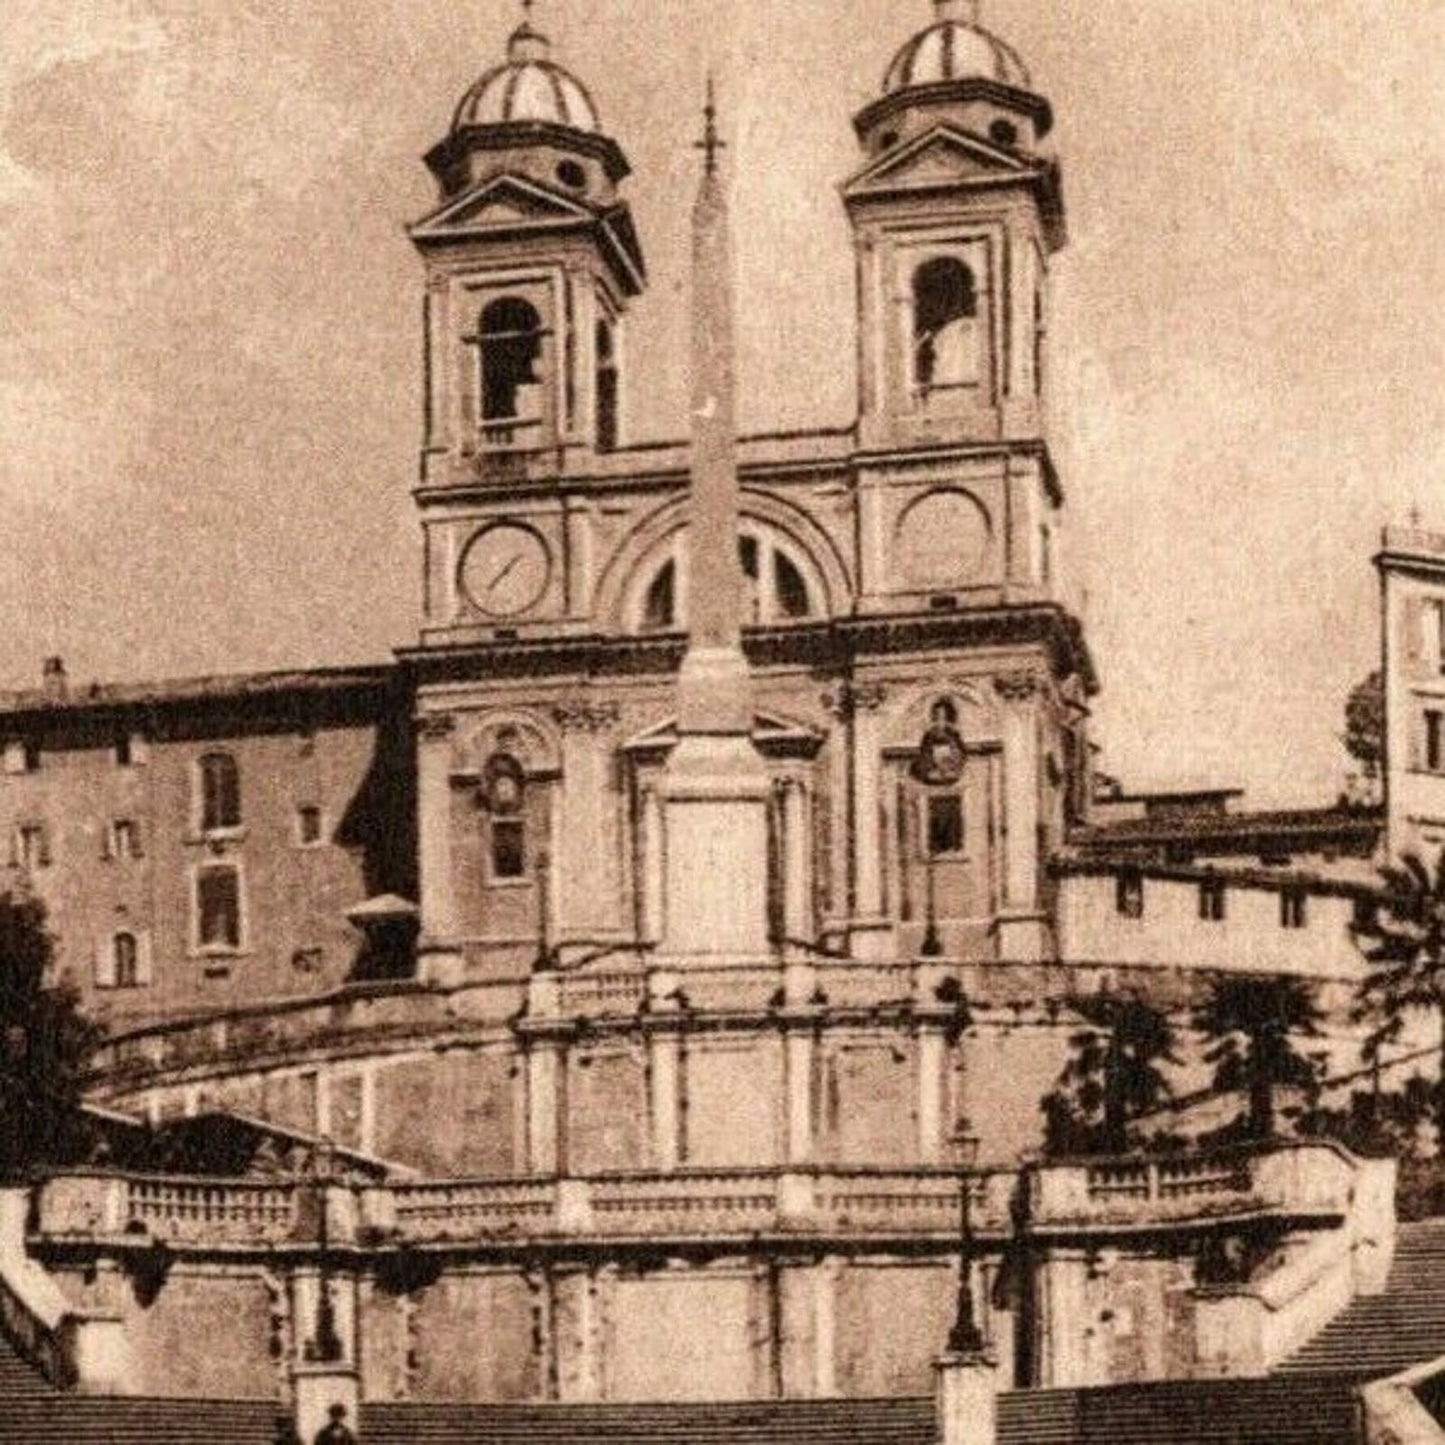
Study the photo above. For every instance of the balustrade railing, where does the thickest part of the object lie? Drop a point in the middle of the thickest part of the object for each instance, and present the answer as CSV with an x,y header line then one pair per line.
x,y
210,1211
1300,1179
37,1342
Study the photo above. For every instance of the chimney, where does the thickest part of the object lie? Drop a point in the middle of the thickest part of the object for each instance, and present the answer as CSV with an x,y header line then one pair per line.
x,y
55,684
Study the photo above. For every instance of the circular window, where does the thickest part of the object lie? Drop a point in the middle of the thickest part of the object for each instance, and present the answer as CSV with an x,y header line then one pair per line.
x,y
1005,132
887,140
571,174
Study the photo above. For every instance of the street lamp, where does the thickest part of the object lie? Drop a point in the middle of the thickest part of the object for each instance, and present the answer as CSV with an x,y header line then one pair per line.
x,y
326,1345
965,1338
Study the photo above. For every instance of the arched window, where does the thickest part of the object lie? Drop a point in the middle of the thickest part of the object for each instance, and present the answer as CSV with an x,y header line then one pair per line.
x,y
659,607
774,587
220,792
511,345
503,787
606,388
791,591
945,324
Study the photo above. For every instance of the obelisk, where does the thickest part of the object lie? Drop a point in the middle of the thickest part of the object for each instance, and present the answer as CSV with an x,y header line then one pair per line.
x,y
715,784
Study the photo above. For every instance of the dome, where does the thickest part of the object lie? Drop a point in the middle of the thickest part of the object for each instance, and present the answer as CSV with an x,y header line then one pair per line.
x,y
955,47
529,87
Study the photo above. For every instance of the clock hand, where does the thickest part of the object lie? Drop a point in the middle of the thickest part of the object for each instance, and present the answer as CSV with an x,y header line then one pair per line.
x,y
504,573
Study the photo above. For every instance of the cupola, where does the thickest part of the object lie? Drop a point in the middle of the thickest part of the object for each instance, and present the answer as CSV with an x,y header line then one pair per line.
x,y
529,115
957,70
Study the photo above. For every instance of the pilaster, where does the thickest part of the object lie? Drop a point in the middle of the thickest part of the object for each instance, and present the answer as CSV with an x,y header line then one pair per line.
x,y
870,933
583,907
1022,930
439,955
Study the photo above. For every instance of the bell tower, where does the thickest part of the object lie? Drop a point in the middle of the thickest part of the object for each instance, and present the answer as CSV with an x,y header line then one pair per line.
x,y
955,214
531,260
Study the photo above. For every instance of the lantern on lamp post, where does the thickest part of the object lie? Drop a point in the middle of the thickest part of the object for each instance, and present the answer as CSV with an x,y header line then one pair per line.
x,y
965,1338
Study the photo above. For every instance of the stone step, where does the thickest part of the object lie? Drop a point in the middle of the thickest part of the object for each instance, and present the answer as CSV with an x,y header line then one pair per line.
x,y
1301,1411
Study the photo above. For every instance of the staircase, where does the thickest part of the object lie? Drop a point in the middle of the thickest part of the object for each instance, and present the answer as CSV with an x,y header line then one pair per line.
x,y
34,1412
1382,1334
1297,1411
773,1422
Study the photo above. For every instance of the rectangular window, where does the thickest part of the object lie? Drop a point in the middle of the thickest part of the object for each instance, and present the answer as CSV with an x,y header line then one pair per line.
x,y
127,960
1432,643
1435,741
124,839
32,846
1293,909
308,825
218,907
220,793
124,754
1211,900
1129,895
509,849
1365,912
945,825
22,756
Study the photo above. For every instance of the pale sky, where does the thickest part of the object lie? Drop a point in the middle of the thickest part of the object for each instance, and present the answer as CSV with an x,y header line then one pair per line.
x,y
209,378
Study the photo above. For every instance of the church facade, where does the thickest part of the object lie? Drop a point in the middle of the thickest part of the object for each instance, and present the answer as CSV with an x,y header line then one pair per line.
x,y
657,936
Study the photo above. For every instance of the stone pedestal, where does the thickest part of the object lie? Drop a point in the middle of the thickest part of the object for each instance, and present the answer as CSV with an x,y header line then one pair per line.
x,y
715,799
966,1399
319,1388
100,1353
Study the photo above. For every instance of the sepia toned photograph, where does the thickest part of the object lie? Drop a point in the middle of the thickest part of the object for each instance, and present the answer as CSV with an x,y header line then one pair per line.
x,y
722,723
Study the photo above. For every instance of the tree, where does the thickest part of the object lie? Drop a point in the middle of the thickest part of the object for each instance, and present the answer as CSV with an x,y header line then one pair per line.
x,y
1250,1025
1365,723
1403,941
44,1042
1112,1076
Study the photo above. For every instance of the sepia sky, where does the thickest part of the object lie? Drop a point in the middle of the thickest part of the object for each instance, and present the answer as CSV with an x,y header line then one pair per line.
x,y
209,362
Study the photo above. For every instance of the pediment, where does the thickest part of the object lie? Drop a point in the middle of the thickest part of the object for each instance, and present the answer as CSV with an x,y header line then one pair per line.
x,y
503,203
941,156
774,735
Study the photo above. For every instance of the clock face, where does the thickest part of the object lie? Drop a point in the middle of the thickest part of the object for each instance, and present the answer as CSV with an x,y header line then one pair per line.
x,y
505,569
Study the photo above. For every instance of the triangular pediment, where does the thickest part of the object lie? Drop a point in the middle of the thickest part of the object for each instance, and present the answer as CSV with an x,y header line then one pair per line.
x,y
939,157
773,734
503,203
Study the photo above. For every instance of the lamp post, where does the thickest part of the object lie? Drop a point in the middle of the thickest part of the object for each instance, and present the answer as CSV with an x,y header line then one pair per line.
x,y
965,1338
326,1346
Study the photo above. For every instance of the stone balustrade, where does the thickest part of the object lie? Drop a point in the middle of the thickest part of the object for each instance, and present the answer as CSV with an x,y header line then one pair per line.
x,y
178,1211
382,1018
1304,1178
201,1214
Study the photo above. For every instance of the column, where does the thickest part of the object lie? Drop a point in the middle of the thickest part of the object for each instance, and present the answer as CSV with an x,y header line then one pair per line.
x,y
870,933
1022,933
439,953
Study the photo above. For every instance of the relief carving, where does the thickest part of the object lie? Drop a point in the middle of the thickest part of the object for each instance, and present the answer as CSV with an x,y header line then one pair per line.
x,y
590,717
1018,686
